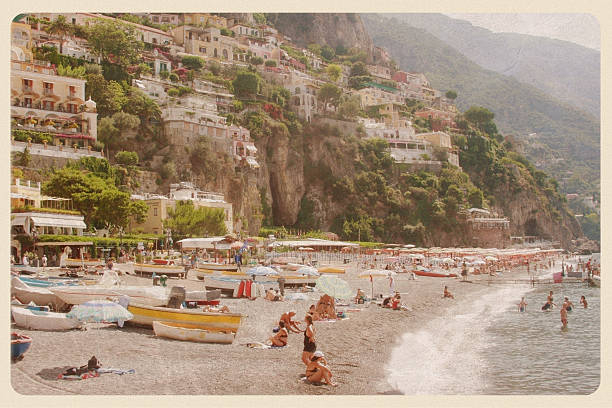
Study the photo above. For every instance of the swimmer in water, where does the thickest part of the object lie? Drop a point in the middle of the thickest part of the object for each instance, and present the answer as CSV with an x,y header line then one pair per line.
x,y
549,302
568,305
583,301
522,307
563,317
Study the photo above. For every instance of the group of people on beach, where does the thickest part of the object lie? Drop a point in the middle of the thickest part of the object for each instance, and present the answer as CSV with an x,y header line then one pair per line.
x,y
317,370
566,306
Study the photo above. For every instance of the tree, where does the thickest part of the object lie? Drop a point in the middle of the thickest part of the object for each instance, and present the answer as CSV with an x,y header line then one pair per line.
x,y
256,61
260,18
187,220
334,72
359,69
478,116
329,93
115,41
214,67
109,95
451,94
25,158
349,107
246,84
173,77
270,63
314,48
60,28
143,69
328,53
126,158
108,133
192,62
147,110
68,71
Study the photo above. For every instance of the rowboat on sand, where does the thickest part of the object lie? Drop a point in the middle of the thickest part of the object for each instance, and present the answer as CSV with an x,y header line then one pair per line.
x,y
434,274
41,320
41,296
168,270
217,266
149,295
20,343
145,316
193,332
331,269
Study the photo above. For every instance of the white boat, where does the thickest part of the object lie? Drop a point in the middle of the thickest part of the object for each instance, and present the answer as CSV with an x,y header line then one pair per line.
x,y
41,320
75,262
193,332
41,296
148,295
168,270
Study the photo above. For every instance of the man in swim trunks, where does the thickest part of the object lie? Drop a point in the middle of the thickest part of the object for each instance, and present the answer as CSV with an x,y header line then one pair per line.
x,y
522,307
563,316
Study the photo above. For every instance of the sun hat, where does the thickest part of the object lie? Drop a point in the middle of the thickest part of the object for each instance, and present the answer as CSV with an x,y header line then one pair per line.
x,y
318,353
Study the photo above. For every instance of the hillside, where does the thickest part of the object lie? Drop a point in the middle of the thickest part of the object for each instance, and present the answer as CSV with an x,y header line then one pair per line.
x,y
566,71
566,137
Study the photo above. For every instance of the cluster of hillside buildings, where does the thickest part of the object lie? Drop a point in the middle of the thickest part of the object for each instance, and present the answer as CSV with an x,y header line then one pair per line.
x,y
51,108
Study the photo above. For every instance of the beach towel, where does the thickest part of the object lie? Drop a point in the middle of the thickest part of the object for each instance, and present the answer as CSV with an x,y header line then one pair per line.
x,y
262,346
115,371
83,376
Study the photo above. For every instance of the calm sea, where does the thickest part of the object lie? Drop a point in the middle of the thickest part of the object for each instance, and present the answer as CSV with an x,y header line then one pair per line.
x,y
485,346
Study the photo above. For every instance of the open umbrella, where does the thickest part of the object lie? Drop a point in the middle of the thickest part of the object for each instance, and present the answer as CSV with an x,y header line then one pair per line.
x,y
408,246
308,270
261,271
491,258
335,287
99,311
376,273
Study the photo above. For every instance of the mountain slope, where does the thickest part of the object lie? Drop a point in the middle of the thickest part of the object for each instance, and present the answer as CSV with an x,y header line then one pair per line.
x,y
566,71
567,137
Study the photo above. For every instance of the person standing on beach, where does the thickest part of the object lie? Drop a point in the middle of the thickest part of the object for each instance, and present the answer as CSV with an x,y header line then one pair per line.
x,y
563,317
309,341
464,272
522,307
44,261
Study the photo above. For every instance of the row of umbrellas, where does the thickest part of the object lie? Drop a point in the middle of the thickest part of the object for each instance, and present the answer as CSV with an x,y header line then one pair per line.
x,y
267,271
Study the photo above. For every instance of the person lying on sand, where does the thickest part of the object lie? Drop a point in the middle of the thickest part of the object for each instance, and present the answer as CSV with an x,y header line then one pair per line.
x,y
317,371
222,309
447,294
288,323
280,338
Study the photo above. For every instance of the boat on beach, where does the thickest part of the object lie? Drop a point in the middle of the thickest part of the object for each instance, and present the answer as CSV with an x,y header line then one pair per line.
x,y
148,295
75,262
20,343
193,332
42,320
168,270
331,269
434,274
145,316
40,296
217,266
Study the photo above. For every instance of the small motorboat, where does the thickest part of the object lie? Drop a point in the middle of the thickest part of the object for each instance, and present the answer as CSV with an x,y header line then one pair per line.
x,y
193,332
20,343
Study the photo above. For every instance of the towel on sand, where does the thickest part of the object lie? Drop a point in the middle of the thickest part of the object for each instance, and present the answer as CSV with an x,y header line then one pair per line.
x,y
263,346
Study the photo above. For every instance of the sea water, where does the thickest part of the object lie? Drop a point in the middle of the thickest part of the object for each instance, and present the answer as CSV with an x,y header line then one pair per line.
x,y
485,346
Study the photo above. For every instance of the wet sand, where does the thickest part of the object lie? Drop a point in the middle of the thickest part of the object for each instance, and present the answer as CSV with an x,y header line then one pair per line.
x,y
357,348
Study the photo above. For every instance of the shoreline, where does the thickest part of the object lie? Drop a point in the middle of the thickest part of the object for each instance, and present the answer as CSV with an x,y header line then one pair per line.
x,y
358,349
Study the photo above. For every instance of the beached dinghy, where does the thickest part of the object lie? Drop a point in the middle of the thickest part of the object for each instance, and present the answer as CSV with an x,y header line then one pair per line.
x,y
148,295
20,343
193,332
74,262
331,269
217,266
41,320
145,316
168,270
41,296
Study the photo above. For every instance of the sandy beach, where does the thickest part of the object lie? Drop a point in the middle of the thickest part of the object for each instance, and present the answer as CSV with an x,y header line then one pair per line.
x,y
357,349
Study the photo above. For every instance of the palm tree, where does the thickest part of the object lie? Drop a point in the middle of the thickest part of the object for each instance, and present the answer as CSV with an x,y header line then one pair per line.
x,y
60,28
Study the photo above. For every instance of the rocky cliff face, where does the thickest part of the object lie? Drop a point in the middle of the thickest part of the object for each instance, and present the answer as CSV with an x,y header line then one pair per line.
x,y
332,29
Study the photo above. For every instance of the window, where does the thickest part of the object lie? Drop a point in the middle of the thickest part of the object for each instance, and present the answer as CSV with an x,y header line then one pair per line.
x,y
48,105
155,211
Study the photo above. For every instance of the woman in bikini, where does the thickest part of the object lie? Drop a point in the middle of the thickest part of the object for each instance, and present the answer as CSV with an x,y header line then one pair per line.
x,y
309,341
280,338
317,370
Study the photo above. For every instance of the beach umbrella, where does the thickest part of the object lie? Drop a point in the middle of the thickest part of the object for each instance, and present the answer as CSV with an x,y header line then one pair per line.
x,y
333,286
308,270
99,311
236,245
416,256
408,246
376,273
478,262
261,271
491,258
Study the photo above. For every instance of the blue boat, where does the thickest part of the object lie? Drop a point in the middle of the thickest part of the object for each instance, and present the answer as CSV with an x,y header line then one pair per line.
x,y
19,345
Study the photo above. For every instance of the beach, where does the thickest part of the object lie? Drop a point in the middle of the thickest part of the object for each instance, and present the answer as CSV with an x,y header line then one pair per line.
x,y
358,349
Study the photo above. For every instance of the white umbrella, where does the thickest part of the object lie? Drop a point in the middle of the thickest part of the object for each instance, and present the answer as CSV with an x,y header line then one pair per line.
x,y
491,258
261,271
308,270
448,260
99,311
334,287
408,246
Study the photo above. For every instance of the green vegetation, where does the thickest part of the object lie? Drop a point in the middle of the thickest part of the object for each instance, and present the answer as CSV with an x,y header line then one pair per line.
x,y
187,221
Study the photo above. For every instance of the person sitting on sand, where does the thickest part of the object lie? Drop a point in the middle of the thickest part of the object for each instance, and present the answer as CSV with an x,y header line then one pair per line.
x,y
288,323
317,371
583,301
387,301
309,341
360,296
447,294
396,302
522,307
568,304
312,312
281,337
326,307
222,309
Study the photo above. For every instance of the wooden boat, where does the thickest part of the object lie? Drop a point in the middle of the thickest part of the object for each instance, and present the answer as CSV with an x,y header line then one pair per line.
x,y
41,320
330,269
201,273
193,332
217,266
20,343
202,295
435,274
40,296
145,316
148,295
168,270
75,262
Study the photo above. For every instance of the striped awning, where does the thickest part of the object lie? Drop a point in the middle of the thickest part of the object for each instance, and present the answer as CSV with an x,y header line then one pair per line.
x,y
58,222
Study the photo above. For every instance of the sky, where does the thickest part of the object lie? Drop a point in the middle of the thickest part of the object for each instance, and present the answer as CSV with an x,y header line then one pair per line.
x,y
582,29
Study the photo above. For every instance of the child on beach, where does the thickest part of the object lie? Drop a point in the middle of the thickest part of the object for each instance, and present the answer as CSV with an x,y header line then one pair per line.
x,y
447,294
280,338
522,307
317,370
583,301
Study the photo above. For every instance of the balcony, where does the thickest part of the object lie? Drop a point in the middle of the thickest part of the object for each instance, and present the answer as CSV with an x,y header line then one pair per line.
x,y
27,89
48,92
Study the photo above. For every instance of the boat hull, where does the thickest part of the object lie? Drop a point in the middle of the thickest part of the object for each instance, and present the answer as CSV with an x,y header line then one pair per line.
x,y
217,267
41,296
40,320
197,333
146,315
435,275
329,269
152,296
19,345
146,269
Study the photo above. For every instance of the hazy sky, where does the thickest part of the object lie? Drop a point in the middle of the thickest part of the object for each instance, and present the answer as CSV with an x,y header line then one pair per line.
x,y
581,29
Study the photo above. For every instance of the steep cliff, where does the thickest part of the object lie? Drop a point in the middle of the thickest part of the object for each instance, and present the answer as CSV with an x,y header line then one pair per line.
x,y
331,29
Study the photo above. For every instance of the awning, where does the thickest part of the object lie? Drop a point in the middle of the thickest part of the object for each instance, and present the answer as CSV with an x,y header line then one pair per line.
x,y
18,221
17,195
58,222
66,243
200,243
